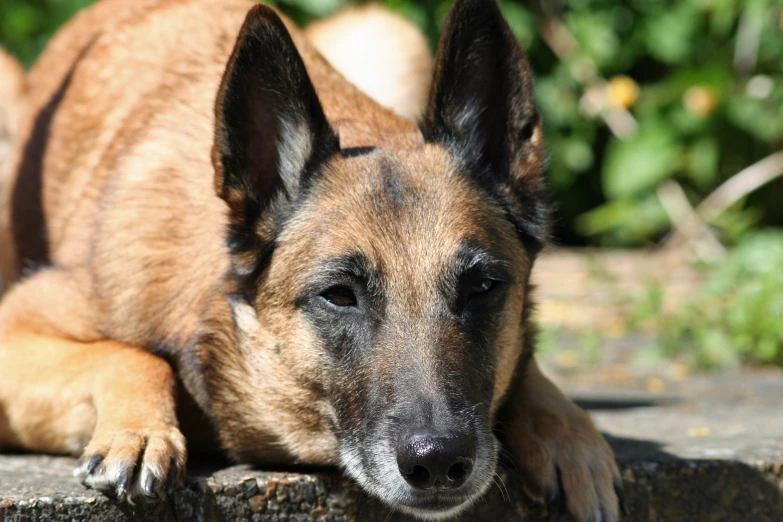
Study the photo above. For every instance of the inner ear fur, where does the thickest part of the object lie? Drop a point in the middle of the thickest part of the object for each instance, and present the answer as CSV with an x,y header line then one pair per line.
x,y
481,107
270,133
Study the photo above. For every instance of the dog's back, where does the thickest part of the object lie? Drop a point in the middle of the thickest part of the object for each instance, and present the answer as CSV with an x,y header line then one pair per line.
x,y
183,48
103,77
384,55
12,103
12,93
121,108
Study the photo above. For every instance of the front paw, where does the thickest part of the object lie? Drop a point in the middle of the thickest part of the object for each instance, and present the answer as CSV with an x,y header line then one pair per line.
x,y
567,465
134,464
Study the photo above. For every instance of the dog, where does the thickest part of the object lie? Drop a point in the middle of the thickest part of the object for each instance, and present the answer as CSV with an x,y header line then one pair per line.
x,y
206,227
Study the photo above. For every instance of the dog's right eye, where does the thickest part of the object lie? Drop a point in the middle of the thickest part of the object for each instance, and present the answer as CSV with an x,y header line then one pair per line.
x,y
340,296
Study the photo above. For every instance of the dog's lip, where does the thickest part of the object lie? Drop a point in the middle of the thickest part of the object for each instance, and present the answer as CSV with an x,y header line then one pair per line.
x,y
437,503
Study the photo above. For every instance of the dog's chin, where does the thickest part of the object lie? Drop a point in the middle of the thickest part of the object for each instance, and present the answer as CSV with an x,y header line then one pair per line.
x,y
435,506
439,509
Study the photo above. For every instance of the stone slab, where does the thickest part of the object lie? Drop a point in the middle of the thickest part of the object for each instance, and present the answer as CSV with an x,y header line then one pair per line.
x,y
709,450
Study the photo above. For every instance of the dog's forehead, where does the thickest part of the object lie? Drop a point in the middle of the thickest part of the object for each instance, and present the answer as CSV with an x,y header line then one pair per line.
x,y
407,212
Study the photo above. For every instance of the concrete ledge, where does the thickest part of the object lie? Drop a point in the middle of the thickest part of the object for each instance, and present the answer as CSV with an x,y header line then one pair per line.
x,y
712,450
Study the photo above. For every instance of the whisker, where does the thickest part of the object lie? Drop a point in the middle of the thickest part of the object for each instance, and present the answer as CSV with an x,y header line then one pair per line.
x,y
507,495
507,458
389,516
502,493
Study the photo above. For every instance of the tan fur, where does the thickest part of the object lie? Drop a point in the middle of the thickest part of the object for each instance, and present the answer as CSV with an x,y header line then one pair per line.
x,y
118,136
12,105
385,56
12,92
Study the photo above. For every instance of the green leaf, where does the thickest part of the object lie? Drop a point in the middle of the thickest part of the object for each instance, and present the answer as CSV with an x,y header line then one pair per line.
x,y
595,32
761,118
20,21
317,7
702,162
633,166
559,101
669,36
627,219
519,20
576,154
715,348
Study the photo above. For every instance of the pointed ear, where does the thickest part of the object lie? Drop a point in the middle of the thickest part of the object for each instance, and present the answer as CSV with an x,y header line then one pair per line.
x,y
481,106
270,133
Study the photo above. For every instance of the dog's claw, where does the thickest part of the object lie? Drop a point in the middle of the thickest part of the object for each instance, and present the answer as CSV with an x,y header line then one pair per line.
x,y
133,466
148,485
92,464
124,480
152,486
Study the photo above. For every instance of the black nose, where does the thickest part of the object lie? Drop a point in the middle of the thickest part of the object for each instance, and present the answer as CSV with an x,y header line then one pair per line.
x,y
436,460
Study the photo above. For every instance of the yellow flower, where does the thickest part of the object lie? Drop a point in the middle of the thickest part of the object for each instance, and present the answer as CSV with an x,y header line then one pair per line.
x,y
700,101
622,91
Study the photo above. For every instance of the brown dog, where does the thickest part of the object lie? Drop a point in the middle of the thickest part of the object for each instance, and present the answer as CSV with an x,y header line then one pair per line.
x,y
328,282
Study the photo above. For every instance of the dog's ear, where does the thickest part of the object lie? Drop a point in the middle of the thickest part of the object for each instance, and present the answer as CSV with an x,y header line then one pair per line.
x,y
481,106
270,134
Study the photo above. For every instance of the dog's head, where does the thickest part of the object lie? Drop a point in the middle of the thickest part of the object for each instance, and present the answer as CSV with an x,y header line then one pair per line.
x,y
381,305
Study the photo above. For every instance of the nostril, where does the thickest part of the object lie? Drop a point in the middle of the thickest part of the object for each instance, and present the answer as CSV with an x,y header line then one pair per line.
x,y
419,477
458,473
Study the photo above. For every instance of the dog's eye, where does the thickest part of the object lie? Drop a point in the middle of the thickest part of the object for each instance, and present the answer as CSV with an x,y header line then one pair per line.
x,y
340,296
482,286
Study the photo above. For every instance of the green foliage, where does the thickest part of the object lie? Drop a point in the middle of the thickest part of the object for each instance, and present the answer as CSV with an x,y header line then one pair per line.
x,y
702,115
735,316
652,155
701,78
26,25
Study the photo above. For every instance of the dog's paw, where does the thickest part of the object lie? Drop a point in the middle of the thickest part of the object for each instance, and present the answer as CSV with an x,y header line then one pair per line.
x,y
134,465
567,465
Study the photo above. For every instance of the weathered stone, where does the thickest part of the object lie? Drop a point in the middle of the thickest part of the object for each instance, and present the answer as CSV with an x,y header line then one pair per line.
x,y
257,503
710,450
252,488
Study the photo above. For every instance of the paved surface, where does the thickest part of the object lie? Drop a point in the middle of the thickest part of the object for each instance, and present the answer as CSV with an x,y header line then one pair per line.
x,y
594,289
709,449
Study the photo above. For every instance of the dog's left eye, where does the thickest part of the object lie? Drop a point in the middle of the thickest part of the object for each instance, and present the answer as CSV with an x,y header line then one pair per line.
x,y
482,286
340,296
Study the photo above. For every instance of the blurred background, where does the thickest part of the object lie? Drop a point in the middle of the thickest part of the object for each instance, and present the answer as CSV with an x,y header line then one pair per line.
x,y
665,128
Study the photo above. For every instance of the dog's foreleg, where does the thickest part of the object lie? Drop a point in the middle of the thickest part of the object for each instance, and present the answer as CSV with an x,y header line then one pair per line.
x,y
564,460
112,403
